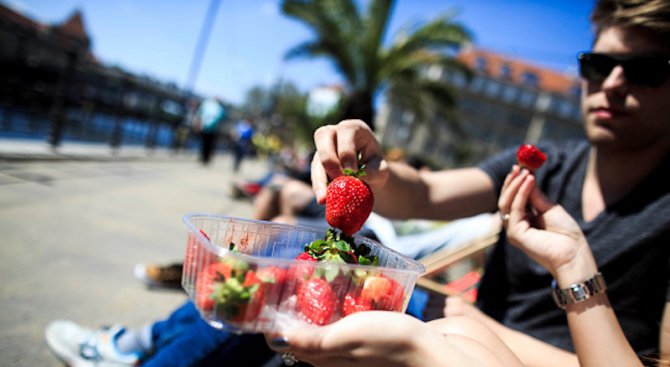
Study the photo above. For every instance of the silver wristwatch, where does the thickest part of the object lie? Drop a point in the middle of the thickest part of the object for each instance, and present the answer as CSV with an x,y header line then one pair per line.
x,y
578,292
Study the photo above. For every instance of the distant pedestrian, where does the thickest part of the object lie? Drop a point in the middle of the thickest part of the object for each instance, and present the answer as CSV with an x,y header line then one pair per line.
x,y
207,121
243,134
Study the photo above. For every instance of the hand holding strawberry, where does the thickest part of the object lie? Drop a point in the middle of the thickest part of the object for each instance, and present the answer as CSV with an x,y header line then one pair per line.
x,y
349,202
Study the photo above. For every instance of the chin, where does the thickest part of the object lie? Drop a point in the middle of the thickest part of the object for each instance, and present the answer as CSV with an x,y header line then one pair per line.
x,y
600,137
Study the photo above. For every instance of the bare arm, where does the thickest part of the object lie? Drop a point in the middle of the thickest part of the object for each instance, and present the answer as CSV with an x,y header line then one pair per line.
x,y
665,334
556,242
400,190
442,195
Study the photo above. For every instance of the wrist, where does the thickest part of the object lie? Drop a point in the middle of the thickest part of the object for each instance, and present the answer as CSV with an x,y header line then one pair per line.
x,y
578,292
580,268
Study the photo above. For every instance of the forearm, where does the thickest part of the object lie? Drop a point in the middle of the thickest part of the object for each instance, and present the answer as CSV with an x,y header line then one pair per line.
x,y
609,345
443,195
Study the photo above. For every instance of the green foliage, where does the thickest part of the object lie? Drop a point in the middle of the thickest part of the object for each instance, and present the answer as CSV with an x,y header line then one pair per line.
x,y
285,107
353,39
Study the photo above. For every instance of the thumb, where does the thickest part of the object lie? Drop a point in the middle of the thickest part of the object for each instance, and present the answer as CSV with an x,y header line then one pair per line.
x,y
305,341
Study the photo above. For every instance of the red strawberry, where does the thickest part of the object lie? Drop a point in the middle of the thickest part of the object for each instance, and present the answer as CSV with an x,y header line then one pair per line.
x,y
349,202
316,301
272,275
304,256
384,293
353,304
250,302
204,285
530,157
301,272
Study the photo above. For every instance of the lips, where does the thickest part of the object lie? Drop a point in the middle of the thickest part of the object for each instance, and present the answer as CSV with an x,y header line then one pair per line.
x,y
607,112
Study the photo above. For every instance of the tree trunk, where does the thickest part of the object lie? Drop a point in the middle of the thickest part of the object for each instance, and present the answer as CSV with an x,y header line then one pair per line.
x,y
359,105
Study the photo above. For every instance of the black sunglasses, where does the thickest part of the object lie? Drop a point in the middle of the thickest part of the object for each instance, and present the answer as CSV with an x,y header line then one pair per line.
x,y
648,70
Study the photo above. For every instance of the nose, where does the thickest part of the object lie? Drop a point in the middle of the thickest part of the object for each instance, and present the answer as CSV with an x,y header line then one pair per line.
x,y
615,81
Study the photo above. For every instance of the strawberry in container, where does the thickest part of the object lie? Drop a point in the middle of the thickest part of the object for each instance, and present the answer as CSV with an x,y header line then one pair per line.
x,y
287,275
264,276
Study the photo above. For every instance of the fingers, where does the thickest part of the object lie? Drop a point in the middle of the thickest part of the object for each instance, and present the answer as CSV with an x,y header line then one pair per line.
x,y
510,188
319,179
347,149
337,147
523,187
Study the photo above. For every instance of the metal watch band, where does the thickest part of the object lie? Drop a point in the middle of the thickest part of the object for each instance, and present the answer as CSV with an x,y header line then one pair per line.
x,y
578,292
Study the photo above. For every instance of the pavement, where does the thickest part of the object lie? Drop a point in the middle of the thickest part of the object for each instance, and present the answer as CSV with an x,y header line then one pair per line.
x,y
74,222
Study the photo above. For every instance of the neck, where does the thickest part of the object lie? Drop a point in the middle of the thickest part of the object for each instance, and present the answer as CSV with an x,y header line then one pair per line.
x,y
616,173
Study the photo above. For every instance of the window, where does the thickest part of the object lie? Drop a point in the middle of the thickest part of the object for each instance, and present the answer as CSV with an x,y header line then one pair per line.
x,y
509,93
506,71
477,84
530,79
492,88
575,91
527,98
457,79
480,64
566,108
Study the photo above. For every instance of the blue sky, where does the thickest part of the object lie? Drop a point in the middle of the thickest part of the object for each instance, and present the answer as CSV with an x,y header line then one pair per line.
x,y
250,37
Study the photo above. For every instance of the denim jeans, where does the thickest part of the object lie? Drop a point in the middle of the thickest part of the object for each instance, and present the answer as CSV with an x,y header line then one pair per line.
x,y
185,340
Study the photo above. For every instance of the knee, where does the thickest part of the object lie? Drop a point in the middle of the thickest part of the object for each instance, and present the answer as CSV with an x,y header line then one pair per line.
x,y
286,219
295,194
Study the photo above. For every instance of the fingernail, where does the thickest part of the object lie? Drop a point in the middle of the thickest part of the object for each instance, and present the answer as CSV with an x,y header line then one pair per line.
x,y
348,165
279,342
320,193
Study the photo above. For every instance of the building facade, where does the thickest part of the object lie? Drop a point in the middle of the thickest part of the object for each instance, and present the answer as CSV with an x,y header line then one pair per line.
x,y
503,103
52,86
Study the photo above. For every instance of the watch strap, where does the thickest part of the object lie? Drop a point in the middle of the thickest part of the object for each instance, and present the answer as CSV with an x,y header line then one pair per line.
x,y
578,292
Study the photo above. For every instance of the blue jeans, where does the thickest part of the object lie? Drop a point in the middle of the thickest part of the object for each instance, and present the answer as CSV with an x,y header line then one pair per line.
x,y
186,340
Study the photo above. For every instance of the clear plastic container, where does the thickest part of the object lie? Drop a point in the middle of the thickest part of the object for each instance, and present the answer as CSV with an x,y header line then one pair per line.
x,y
261,287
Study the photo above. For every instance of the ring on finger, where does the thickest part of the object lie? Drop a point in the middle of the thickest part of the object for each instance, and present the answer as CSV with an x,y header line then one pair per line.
x,y
504,217
289,359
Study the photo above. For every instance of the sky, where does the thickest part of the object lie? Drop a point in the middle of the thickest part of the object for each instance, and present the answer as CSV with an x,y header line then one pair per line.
x,y
250,37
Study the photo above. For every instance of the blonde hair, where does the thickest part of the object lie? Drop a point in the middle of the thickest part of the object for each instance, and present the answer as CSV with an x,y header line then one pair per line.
x,y
653,16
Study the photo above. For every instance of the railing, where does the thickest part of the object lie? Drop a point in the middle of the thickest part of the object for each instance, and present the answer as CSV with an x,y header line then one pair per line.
x,y
82,126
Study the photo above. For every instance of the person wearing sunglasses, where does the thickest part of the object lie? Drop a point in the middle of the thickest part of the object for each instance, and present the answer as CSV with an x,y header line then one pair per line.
x,y
600,231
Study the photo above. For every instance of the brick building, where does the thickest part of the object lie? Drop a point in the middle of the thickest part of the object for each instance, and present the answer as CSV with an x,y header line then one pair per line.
x,y
51,85
503,103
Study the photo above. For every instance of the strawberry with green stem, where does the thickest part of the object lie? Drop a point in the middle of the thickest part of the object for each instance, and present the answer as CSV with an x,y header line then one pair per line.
x,y
233,290
349,201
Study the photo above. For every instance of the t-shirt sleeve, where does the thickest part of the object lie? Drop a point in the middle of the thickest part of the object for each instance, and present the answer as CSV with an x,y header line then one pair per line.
x,y
497,167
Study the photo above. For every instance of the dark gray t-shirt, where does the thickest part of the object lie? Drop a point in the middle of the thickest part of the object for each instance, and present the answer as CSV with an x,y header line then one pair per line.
x,y
630,240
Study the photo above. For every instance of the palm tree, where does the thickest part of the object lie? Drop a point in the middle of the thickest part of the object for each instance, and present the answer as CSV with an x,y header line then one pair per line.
x,y
354,41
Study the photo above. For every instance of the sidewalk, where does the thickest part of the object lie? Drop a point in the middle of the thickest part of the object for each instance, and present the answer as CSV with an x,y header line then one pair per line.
x,y
76,221
28,149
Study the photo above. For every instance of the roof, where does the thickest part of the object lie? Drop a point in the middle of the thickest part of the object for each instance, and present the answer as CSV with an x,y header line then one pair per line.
x,y
74,26
500,66
15,17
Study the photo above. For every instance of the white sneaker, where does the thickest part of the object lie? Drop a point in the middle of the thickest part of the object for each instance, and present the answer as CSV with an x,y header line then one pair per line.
x,y
78,346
